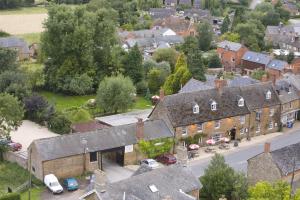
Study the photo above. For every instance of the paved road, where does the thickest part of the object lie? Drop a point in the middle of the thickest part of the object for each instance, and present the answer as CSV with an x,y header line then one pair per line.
x,y
254,3
238,160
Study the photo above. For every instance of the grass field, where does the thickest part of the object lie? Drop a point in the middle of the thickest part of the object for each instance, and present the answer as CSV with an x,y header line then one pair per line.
x,y
31,38
35,194
24,10
63,102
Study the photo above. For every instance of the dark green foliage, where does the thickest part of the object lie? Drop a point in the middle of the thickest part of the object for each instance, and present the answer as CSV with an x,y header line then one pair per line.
x,y
225,25
290,57
205,36
169,55
11,196
81,85
134,65
156,147
5,4
192,140
59,123
220,179
115,94
195,65
8,59
141,88
214,61
272,18
4,34
190,43
156,79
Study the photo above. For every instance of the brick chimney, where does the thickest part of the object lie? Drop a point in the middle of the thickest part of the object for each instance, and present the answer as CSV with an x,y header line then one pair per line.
x,y
220,83
140,129
267,147
161,94
264,78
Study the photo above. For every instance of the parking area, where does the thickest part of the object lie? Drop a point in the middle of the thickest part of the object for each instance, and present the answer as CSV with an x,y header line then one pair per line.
x,y
28,132
115,172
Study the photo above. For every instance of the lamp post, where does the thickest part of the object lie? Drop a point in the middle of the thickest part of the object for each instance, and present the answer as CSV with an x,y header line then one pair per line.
x,y
84,143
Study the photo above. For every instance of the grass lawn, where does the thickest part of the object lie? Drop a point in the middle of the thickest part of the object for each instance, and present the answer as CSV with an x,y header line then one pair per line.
x,y
35,194
24,10
31,37
31,66
63,102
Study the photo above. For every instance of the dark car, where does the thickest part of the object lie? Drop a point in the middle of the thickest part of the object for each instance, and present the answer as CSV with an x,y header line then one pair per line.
x,y
71,184
167,159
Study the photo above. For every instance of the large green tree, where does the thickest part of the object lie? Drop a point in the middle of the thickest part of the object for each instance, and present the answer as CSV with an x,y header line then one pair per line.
x,y
220,179
226,24
134,64
166,54
195,65
205,36
115,94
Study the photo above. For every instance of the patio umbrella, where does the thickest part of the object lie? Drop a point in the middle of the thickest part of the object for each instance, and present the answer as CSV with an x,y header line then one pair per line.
x,y
194,147
210,142
225,139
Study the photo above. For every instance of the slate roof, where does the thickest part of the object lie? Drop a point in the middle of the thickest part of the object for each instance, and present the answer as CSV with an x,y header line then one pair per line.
x,y
145,33
168,180
103,139
195,85
168,2
232,46
255,95
12,42
185,2
277,64
286,91
197,14
177,24
284,158
257,57
157,13
180,106
294,80
239,81
89,126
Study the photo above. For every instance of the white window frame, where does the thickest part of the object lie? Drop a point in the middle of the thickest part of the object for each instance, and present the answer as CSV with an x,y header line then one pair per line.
x,y
200,128
268,95
241,102
272,111
217,124
184,131
257,128
258,113
196,109
213,106
242,119
270,125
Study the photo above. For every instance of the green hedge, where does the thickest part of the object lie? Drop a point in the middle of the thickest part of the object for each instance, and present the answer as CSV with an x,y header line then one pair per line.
x,y
11,196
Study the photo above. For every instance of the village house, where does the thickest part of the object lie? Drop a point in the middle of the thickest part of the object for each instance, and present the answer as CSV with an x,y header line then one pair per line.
x,y
290,101
168,183
231,54
264,105
160,13
73,154
213,113
291,7
197,15
276,68
295,66
252,61
275,165
18,44
170,3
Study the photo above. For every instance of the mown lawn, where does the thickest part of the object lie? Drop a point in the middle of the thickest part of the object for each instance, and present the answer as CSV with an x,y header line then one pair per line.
x,y
31,38
35,194
63,102
24,10
12,175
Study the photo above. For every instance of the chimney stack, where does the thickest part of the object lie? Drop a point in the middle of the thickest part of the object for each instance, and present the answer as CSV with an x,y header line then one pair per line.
x,y
267,147
140,129
220,83
161,94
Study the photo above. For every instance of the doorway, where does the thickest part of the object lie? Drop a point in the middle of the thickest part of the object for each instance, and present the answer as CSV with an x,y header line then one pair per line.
x,y
232,133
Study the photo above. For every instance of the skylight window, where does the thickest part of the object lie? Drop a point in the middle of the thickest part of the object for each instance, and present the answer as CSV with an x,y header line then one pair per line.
x,y
153,188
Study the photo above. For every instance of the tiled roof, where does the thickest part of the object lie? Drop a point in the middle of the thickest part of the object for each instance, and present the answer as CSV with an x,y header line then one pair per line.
x,y
157,13
257,57
277,64
232,46
11,42
286,91
103,139
239,81
194,85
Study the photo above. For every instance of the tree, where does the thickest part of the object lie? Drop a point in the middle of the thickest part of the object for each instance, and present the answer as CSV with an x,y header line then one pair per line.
x,y
166,54
156,79
220,179
290,57
214,61
258,74
225,25
195,65
59,123
134,65
205,36
8,58
156,147
233,37
115,94
78,115
82,84
272,18
190,43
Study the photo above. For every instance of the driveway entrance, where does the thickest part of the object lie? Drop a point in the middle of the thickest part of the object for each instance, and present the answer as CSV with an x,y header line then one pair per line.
x,y
114,172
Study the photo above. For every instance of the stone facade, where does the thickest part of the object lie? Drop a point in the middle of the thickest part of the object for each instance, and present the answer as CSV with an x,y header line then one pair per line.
x,y
289,111
231,60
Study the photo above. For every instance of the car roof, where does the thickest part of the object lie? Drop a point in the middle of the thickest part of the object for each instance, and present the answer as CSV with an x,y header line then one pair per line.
x,y
70,179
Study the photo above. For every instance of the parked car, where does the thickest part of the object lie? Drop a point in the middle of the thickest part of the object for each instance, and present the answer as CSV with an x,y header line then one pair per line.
x,y
15,146
70,184
166,159
150,162
52,183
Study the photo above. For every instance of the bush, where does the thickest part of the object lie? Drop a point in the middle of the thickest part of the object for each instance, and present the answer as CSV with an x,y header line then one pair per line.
x,y
4,34
141,88
60,124
11,196
78,115
81,85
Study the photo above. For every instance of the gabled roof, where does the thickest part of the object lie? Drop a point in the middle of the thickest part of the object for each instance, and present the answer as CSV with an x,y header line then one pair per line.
x,y
99,140
255,95
277,64
157,13
167,180
180,112
232,46
239,81
294,80
257,57
284,158
286,91
195,85
12,42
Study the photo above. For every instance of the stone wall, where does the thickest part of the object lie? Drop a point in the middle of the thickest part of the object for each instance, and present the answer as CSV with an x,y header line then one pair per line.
x,y
16,157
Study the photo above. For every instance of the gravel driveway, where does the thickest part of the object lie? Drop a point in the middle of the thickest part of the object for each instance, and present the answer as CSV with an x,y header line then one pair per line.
x,y
30,131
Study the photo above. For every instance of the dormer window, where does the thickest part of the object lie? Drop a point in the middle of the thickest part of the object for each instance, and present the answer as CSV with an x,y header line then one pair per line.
x,y
213,106
241,102
268,94
196,109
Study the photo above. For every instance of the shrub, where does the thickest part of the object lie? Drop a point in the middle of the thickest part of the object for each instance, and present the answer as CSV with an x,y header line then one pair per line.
x,y
81,84
11,196
78,115
60,124
141,88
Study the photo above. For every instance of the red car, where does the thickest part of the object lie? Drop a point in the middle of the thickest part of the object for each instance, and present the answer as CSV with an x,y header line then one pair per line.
x,y
166,159
15,146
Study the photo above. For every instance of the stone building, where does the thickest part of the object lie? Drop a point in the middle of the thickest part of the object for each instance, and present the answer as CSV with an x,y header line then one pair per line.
x,y
168,183
252,61
231,54
217,112
276,68
264,105
71,155
275,165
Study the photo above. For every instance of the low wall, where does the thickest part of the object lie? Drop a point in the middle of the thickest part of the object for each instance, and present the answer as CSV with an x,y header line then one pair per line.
x,y
16,157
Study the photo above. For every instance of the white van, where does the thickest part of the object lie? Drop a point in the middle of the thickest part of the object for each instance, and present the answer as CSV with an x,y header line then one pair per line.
x,y
52,183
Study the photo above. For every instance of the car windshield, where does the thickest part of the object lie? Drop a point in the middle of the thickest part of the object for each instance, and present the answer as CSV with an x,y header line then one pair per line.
x,y
54,184
152,162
